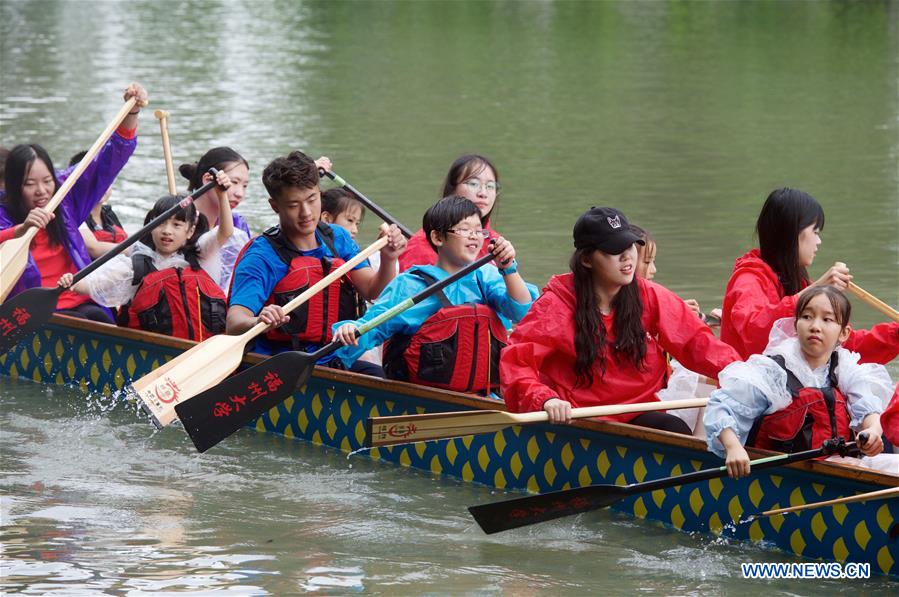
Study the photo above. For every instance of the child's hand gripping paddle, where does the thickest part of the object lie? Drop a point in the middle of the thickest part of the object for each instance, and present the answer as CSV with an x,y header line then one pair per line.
x,y
29,310
14,252
217,413
212,360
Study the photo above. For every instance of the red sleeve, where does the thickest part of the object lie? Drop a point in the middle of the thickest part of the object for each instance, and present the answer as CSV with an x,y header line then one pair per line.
x,y
127,134
752,314
684,335
880,344
889,419
418,252
536,337
7,234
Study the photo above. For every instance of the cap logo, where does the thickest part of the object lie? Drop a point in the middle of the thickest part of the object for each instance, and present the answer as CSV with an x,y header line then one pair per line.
x,y
614,222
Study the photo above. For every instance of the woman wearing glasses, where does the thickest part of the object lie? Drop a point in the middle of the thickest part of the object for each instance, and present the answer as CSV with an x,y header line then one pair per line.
x,y
471,176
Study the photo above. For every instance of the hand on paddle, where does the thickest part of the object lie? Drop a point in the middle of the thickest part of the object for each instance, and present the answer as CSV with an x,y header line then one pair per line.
x,y
273,315
324,163
837,276
869,441
396,243
694,306
137,91
346,334
36,218
558,410
503,251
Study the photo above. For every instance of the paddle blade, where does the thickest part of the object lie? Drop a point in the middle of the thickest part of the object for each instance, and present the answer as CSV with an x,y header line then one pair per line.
x,y
13,258
200,368
24,313
218,412
404,429
528,510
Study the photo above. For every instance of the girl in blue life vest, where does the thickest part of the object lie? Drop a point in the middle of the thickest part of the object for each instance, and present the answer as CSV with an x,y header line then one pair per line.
x,y
167,285
452,339
805,389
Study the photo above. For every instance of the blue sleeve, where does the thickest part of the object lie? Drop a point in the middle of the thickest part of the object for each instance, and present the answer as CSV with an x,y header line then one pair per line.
x,y
399,289
346,247
255,276
498,298
737,406
241,223
99,175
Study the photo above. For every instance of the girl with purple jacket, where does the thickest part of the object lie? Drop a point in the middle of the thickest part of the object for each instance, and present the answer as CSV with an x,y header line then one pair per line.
x,y
58,247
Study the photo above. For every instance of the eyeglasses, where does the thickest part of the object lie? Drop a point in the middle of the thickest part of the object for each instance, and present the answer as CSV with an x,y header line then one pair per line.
x,y
470,233
475,185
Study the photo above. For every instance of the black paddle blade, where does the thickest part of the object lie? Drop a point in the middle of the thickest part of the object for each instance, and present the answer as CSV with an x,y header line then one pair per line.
x,y
528,510
218,412
24,313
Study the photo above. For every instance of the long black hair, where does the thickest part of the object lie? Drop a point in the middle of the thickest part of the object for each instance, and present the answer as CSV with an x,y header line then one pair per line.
x,y
589,331
18,165
784,215
840,304
185,214
465,167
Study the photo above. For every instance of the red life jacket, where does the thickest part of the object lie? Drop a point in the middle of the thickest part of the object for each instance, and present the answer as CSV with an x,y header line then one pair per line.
x,y
815,415
180,302
311,322
456,348
111,230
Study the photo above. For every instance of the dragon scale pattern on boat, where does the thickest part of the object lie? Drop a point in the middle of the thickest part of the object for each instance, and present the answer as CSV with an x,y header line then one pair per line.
x,y
331,410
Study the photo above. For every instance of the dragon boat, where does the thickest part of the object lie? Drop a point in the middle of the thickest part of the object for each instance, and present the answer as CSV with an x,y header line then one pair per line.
x,y
332,409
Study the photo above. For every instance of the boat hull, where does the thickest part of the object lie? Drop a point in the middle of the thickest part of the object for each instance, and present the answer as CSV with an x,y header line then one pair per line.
x,y
333,407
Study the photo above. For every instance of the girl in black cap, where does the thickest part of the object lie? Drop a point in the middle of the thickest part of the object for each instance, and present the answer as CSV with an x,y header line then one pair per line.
x,y
599,334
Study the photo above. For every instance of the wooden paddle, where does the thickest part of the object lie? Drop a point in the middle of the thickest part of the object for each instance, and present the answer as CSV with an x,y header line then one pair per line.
x,y
14,252
872,300
212,360
29,310
881,494
163,117
403,429
366,201
524,511
217,413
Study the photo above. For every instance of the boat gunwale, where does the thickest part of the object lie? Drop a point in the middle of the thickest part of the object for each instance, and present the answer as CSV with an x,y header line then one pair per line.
x,y
473,402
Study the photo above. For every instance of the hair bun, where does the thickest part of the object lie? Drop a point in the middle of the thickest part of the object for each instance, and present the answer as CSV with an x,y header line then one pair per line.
x,y
188,170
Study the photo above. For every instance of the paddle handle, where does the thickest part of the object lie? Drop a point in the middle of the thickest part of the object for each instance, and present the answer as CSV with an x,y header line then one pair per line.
x,y
869,298
614,409
712,473
163,117
366,201
115,251
321,285
862,497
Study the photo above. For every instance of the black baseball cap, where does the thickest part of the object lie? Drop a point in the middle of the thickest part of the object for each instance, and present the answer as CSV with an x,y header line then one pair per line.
x,y
606,229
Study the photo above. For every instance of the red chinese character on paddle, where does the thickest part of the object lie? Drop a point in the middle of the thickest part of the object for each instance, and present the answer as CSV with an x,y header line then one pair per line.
x,y
579,502
7,326
518,513
257,391
238,401
21,315
221,409
273,381
559,506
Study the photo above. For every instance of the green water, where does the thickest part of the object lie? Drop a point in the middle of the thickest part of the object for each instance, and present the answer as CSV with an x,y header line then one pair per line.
x,y
682,114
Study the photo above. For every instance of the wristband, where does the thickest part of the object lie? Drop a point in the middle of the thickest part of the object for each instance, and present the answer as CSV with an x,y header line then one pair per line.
x,y
133,113
509,269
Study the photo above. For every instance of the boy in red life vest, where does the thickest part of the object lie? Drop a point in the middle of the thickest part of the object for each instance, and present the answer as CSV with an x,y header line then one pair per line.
x,y
804,390
292,256
452,339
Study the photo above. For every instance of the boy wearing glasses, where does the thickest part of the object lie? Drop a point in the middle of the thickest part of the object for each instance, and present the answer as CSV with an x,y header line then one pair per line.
x,y
452,339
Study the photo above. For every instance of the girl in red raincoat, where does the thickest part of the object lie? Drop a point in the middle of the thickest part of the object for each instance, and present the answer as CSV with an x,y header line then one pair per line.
x,y
766,282
599,335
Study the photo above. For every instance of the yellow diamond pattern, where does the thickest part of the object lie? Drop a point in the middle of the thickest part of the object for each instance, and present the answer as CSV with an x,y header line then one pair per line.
x,y
549,471
515,465
452,452
658,496
797,542
755,493
345,412
735,508
639,469
818,526
331,427
715,487
567,456
499,443
696,502
420,448
533,449
884,518
755,532
602,463
840,553
583,476
796,498
316,405
839,512
884,559
677,517
483,458
862,535
499,479
640,508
